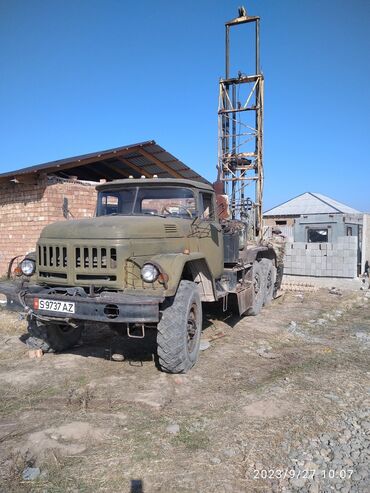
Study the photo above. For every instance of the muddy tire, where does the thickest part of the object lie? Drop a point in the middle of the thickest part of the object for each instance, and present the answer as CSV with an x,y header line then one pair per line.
x,y
179,330
279,279
52,337
269,271
259,285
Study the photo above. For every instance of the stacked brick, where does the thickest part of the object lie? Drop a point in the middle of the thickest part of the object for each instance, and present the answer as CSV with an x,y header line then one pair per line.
x,y
323,259
26,208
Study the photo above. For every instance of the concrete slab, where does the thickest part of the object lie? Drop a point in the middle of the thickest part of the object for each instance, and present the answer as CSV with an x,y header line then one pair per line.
x,y
323,282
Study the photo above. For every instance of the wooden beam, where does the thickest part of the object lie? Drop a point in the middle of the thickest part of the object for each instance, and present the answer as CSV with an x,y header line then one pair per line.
x,y
159,163
133,166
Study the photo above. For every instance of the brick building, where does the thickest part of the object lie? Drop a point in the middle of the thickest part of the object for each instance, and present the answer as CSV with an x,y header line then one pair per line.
x,y
33,197
26,208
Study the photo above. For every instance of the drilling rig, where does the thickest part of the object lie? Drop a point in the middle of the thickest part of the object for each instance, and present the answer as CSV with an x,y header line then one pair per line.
x,y
240,133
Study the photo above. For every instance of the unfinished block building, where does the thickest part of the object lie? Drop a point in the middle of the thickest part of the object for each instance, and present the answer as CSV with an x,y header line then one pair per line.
x,y
324,236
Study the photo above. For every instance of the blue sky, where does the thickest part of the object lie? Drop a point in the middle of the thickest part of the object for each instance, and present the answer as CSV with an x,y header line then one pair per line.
x,y
85,75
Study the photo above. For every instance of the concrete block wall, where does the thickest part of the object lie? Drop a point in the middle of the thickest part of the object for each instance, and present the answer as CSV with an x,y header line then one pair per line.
x,y
26,208
336,224
322,259
365,242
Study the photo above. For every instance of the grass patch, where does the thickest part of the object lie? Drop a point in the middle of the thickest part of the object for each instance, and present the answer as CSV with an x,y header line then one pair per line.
x,y
61,475
13,400
192,440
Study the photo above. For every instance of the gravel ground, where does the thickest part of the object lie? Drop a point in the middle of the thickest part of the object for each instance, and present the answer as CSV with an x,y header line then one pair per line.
x,y
277,403
336,461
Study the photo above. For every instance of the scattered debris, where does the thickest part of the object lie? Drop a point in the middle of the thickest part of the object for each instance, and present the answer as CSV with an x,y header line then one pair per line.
x,y
363,336
204,345
335,290
265,353
118,357
31,473
35,353
174,429
219,335
298,331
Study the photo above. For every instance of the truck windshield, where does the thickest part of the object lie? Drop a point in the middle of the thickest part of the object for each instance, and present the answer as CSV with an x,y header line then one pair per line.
x,y
156,201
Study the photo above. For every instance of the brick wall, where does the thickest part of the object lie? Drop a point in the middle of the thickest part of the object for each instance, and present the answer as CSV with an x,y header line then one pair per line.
x,y
26,208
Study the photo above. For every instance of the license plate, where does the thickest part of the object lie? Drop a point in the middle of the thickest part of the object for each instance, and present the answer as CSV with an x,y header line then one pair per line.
x,y
54,305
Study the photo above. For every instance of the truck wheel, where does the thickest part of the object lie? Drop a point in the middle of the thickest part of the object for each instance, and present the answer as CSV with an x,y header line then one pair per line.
x,y
258,279
270,277
52,337
179,330
279,279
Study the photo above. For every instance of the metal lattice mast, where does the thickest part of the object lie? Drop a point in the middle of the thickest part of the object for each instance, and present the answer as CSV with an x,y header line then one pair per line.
x,y
240,129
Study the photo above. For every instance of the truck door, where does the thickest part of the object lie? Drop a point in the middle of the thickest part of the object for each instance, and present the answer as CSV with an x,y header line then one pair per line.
x,y
210,234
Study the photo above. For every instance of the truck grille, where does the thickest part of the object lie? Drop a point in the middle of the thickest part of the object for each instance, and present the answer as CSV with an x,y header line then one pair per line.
x,y
84,263
52,256
95,264
95,258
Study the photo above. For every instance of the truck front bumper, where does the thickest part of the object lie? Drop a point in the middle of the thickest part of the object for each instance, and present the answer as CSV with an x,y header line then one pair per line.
x,y
106,307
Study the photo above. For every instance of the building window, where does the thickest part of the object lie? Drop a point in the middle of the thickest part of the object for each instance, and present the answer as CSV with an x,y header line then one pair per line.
x,y
280,223
316,235
349,230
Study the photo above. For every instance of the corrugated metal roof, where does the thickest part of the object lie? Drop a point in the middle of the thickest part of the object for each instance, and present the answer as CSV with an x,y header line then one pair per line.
x,y
120,162
310,203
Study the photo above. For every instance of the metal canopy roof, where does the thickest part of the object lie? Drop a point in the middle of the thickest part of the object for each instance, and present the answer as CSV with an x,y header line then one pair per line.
x,y
310,203
142,159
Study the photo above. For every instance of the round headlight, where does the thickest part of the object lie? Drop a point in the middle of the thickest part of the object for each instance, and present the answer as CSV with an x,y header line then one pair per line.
x,y
149,273
28,267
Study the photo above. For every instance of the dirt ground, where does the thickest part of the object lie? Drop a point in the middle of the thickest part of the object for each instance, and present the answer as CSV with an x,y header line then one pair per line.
x,y
272,396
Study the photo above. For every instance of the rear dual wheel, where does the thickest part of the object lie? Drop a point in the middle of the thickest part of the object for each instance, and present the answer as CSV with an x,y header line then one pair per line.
x,y
263,279
270,279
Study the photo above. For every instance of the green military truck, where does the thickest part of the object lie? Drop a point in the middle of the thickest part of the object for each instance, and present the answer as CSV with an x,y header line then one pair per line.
x,y
153,253
158,248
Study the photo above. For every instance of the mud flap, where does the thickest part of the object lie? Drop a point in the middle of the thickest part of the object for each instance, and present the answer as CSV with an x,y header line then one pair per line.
x,y
245,299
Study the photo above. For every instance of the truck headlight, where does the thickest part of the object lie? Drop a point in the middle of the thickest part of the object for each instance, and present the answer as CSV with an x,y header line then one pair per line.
x,y
28,267
149,273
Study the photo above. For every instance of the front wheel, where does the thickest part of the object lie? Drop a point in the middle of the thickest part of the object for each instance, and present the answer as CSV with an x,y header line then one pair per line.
x,y
179,330
52,337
